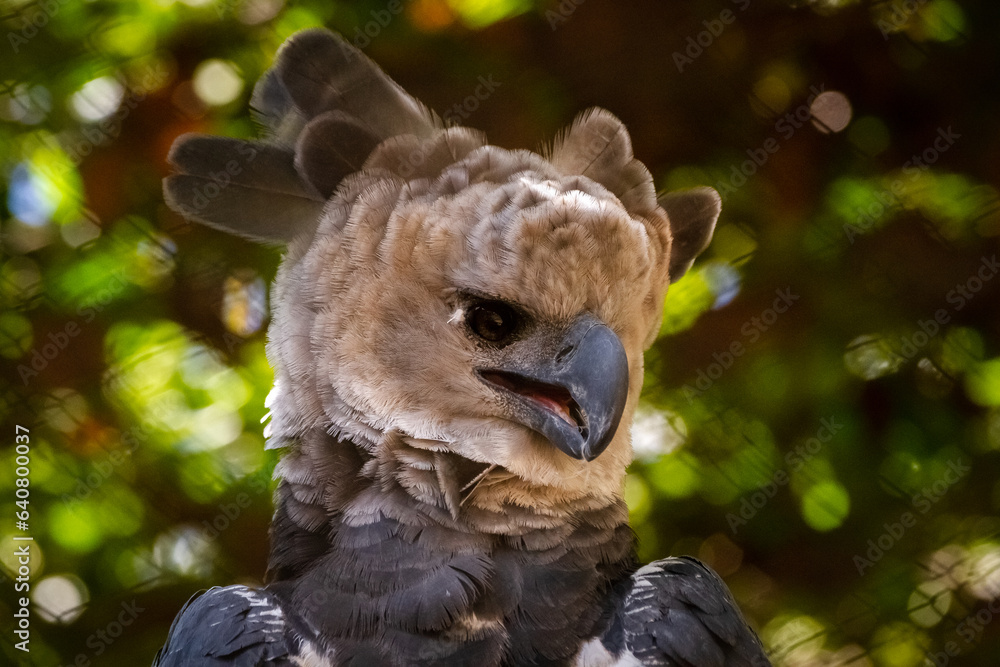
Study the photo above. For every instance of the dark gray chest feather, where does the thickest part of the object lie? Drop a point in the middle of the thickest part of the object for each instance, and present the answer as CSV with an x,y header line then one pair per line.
x,y
406,590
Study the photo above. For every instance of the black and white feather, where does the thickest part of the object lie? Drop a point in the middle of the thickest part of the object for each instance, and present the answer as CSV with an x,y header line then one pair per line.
x,y
678,613
235,626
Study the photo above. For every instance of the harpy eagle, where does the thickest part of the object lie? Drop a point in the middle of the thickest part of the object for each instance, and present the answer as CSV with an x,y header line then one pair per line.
x,y
457,340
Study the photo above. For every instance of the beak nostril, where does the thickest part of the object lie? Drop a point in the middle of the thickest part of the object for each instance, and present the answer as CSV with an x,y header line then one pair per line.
x,y
565,352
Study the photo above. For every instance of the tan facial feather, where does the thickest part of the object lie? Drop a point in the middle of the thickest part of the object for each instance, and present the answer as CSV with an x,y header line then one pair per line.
x,y
383,346
369,334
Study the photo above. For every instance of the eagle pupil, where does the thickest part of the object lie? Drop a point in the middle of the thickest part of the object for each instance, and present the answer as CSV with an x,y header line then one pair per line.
x,y
492,321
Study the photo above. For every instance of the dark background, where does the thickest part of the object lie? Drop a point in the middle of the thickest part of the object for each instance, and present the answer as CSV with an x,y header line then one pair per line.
x,y
836,462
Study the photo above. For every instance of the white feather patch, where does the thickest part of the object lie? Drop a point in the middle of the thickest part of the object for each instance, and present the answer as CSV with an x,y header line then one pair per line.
x,y
593,654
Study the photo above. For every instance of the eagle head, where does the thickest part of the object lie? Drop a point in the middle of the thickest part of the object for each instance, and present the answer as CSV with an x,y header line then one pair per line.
x,y
494,302
489,303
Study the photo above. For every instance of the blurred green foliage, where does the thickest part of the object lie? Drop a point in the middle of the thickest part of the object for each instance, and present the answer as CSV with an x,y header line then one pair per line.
x,y
821,414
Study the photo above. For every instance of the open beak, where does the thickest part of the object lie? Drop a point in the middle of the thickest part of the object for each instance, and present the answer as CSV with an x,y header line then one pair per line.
x,y
574,397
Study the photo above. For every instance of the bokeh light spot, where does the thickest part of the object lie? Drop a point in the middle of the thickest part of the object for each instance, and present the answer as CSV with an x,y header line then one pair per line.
x,y
825,505
244,302
929,603
871,356
217,82
75,525
28,198
637,498
10,559
15,335
982,383
773,93
869,134
675,475
97,99
686,300
656,432
186,550
430,15
255,12
831,111
60,598
481,13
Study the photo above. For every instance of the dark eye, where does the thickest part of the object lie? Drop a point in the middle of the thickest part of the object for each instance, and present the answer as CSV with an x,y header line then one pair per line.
x,y
494,321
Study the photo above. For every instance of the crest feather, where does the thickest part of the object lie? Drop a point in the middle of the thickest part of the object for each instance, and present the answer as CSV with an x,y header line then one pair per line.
x,y
598,146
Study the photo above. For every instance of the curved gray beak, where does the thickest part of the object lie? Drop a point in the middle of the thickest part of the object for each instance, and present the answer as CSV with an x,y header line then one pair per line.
x,y
575,395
